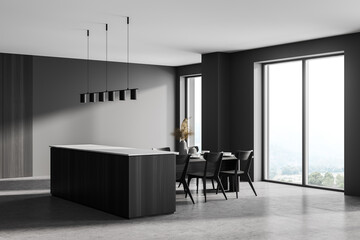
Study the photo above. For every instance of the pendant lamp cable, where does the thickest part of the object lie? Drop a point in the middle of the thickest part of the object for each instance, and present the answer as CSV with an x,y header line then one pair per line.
x,y
88,59
106,63
127,65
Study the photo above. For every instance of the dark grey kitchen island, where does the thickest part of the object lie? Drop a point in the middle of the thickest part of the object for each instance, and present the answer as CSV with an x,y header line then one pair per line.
x,y
127,182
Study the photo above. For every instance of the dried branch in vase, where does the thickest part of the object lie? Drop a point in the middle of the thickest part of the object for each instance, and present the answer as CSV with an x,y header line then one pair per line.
x,y
184,131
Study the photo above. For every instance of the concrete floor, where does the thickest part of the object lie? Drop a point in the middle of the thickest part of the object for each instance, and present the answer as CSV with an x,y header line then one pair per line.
x,y
27,211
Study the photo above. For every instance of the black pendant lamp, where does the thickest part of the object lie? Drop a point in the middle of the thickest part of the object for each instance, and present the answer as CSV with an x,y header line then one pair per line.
x,y
84,97
111,95
92,97
103,95
122,95
133,91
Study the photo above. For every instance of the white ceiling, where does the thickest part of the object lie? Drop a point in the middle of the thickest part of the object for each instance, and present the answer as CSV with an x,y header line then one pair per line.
x,y
167,32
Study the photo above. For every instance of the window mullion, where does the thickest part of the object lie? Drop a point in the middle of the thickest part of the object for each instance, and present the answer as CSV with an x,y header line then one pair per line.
x,y
265,71
305,123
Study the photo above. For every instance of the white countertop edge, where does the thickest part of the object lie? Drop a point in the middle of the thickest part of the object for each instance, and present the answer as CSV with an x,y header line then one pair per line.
x,y
125,151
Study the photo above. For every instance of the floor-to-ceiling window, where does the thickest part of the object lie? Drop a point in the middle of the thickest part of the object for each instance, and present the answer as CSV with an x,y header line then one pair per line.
x,y
190,107
285,121
326,121
304,107
194,109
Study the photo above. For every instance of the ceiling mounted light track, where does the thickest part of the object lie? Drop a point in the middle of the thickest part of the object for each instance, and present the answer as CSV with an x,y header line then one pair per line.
x,y
110,95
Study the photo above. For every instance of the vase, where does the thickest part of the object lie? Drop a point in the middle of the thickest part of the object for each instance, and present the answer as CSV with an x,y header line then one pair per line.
x,y
183,148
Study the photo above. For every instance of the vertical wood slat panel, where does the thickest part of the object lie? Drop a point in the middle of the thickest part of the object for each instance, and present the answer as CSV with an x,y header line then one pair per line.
x,y
7,128
1,114
18,109
17,116
28,115
9,118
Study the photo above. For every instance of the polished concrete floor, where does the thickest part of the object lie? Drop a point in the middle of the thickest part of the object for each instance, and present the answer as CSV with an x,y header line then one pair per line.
x,y
27,211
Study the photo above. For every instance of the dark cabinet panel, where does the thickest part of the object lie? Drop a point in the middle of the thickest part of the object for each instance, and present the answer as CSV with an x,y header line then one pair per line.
x,y
127,186
1,114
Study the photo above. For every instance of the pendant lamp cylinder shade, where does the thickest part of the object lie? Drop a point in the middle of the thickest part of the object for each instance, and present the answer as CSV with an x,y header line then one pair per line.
x,y
133,93
122,95
111,95
84,98
92,97
102,96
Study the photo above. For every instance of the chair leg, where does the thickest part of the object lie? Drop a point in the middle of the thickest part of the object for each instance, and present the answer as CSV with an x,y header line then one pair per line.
x,y
251,185
187,190
217,188
221,186
236,185
188,184
204,184
197,185
212,181
179,184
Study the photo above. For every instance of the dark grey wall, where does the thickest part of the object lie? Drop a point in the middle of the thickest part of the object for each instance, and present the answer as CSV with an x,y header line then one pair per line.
x,y
15,116
59,117
188,70
216,102
224,102
242,94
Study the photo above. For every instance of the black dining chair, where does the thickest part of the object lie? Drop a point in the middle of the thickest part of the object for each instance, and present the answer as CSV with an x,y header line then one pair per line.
x,y
211,171
162,149
245,158
182,164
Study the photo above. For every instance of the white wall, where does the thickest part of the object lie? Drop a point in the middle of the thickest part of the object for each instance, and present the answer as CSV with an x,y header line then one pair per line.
x,y
59,118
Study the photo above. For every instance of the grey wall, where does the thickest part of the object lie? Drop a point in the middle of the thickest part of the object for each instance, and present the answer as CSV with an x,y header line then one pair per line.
x,y
59,118
188,70
216,102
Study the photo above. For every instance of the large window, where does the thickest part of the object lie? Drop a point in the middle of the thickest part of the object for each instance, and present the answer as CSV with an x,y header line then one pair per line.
x,y
326,122
305,121
194,109
285,121
190,107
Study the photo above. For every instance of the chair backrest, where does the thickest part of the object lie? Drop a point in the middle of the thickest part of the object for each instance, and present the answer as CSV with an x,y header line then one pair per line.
x,y
162,149
182,164
213,163
245,157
